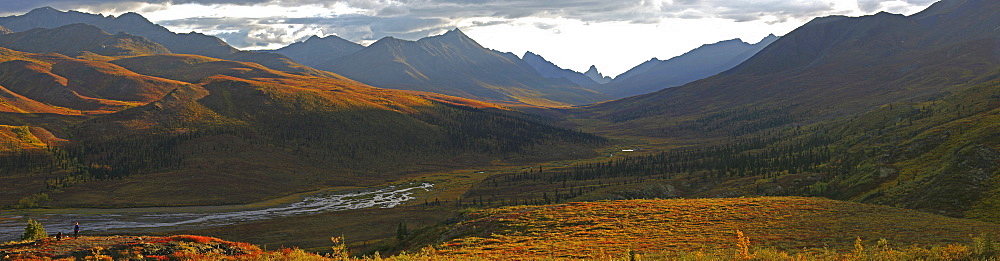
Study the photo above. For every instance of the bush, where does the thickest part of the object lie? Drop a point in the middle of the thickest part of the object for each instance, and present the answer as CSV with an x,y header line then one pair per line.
x,y
34,231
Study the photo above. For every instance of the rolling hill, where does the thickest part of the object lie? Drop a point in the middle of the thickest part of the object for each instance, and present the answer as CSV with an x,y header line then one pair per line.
x,y
74,39
454,64
177,125
670,228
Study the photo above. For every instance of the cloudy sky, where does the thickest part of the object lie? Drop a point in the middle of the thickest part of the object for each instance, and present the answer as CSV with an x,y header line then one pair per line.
x,y
615,35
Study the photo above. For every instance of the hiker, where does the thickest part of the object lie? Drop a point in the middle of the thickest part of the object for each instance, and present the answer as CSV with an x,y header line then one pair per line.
x,y
76,230
59,236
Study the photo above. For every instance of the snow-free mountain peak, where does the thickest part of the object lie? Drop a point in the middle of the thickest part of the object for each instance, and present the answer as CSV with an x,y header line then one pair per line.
x,y
319,52
454,64
550,70
596,75
43,10
452,37
132,17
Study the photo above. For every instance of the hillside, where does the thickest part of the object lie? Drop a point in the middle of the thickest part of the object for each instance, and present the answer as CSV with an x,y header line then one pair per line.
x,y
72,40
201,122
137,25
882,109
456,65
674,226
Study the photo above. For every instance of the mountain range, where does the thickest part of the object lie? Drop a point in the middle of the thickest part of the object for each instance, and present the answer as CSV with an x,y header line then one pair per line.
x,y
906,105
550,70
80,39
700,63
137,25
451,64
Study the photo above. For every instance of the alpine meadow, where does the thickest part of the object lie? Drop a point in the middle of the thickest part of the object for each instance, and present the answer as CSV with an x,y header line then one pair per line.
x,y
869,136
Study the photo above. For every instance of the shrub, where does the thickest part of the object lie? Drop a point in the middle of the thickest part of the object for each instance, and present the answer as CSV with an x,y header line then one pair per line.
x,y
34,231
983,247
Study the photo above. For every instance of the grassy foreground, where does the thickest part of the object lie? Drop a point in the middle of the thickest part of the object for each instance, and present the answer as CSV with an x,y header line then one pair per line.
x,y
676,227
765,228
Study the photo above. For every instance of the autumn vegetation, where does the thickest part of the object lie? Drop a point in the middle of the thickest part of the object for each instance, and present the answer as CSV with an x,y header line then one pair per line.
x,y
766,228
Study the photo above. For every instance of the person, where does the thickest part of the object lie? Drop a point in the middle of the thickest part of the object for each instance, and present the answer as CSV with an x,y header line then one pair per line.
x,y
76,230
59,236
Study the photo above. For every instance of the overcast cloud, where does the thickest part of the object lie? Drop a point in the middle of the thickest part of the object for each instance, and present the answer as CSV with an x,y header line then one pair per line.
x,y
257,24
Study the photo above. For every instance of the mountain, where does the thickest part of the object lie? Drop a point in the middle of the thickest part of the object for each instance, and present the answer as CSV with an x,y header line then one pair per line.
x,y
74,39
4,30
638,69
550,70
702,62
319,52
135,24
456,65
884,108
596,76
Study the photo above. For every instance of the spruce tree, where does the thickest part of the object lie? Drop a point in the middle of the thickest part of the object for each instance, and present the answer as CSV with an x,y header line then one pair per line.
x,y
401,231
34,231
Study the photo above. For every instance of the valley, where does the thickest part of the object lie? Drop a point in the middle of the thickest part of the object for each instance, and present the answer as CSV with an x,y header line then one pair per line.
x,y
168,219
869,137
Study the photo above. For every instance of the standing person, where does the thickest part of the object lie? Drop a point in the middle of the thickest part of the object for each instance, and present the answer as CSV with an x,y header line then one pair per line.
x,y
76,230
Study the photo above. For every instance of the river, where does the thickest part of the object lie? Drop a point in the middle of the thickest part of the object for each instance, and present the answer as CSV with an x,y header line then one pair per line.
x,y
139,220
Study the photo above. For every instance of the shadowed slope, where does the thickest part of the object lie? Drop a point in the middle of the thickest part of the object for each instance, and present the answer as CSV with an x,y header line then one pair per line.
x,y
38,83
74,39
454,64
836,65
550,70
13,102
135,24
320,52
109,81
700,63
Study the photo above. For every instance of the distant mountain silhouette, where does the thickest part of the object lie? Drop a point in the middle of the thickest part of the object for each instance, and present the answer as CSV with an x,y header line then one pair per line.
x,y
638,69
550,70
135,24
595,75
454,64
840,59
704,61
319,52
74,39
